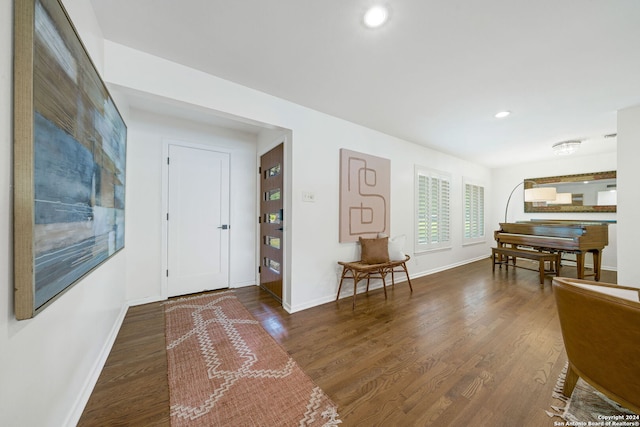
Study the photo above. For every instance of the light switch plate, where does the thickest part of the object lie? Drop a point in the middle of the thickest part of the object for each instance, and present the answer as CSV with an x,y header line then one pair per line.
x,y
308,196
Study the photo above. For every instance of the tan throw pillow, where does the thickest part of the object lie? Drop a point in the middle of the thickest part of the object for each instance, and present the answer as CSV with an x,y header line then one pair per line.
x,y
375,251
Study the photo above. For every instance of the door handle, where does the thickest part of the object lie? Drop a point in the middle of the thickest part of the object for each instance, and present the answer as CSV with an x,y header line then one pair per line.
x,y
280,229
224,226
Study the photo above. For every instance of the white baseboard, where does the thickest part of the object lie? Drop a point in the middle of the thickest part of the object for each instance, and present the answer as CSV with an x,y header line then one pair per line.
x,y
316,302
587,265
146,300
96,370
448,267
243,284
156,298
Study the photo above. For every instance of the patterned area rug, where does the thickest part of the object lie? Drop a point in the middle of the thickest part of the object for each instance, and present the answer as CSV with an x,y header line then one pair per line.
x,y
226,370
587,404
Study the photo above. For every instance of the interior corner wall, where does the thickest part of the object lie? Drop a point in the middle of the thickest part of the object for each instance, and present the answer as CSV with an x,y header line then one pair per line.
x,y
48,364
505,179
145,220
628,195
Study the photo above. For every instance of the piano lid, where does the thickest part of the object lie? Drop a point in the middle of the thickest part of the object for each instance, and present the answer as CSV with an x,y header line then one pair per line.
x,y
572,221
543,229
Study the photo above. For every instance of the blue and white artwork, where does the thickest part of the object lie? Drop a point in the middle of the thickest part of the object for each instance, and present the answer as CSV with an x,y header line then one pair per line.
x,y
79,151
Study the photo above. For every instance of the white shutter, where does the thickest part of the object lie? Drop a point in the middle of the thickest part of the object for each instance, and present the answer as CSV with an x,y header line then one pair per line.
x,y
432,200
473,212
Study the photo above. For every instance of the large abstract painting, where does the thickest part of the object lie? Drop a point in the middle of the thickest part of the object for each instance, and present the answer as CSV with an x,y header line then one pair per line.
x,y
69,159
365,186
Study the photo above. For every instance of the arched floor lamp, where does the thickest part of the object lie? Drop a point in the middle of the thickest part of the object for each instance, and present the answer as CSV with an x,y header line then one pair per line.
x,y
536,194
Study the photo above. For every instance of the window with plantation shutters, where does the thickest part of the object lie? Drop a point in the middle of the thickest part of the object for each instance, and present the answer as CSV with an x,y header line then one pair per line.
x,y
473,212
432,209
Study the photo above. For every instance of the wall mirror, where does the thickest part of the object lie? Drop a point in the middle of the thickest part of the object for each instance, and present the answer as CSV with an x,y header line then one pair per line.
x,y
589,192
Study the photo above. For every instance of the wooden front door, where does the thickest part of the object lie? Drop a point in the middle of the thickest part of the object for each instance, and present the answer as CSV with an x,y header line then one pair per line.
x,y
271,221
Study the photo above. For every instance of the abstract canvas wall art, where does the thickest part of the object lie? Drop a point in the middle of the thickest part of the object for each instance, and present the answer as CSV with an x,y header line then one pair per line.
x,y
365,187
69,159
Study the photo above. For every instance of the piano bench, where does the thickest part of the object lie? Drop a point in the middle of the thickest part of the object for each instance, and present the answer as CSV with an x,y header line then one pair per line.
x,y
498,254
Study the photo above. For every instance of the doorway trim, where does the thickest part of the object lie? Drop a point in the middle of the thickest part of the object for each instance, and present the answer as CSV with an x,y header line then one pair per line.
x,y
166,142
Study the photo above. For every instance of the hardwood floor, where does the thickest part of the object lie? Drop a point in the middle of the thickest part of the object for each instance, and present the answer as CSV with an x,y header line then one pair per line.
x,y
466,348
132,389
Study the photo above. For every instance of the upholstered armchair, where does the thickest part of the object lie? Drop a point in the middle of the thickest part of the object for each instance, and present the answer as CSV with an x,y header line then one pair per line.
x,y
600,325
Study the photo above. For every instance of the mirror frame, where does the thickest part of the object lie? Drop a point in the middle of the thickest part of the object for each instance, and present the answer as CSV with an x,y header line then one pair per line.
x,y
594,176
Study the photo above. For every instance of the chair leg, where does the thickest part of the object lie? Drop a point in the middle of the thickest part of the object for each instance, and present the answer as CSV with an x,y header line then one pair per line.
x,y
344,272
355,288
404,267
356,279
570,382
384,285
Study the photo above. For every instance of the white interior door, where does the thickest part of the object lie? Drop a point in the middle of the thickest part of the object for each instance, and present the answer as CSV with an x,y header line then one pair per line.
x,y
198,220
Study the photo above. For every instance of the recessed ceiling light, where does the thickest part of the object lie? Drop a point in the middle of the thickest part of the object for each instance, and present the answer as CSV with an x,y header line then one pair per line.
x,y
376,16
502,114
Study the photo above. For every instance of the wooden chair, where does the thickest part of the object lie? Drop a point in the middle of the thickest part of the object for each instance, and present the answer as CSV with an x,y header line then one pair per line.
x,y
358,270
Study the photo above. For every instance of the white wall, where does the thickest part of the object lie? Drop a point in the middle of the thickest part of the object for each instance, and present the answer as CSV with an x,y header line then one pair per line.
x,y
629,195
504,179
314,166
147,133
48,364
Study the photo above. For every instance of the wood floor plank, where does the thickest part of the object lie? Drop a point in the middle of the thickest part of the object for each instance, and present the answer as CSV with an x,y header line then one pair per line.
x,y
132,389
467,347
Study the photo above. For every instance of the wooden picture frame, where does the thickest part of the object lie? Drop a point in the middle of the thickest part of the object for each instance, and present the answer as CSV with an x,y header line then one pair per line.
x,y
587,191
69,159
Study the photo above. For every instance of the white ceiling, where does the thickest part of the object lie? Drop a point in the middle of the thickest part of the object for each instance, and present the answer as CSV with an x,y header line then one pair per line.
x,y
435,74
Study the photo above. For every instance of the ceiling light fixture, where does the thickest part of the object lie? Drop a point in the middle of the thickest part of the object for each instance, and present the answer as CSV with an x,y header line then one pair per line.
x,y
376,16
566,147
502,114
